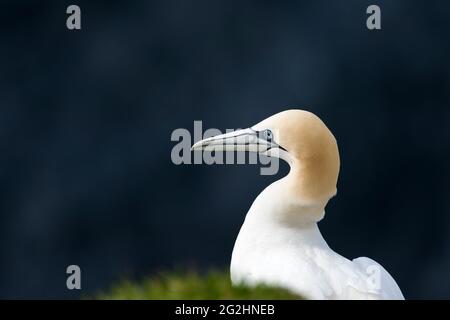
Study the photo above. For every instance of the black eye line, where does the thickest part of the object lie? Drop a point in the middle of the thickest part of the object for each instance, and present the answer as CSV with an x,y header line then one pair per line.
x,y
278,146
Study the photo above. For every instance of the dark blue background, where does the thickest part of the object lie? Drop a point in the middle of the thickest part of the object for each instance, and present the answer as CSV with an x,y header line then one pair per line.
x,y
86,117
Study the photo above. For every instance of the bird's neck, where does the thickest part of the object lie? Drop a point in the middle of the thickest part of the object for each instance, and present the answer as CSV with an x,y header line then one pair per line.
x,y
312,180
299,198
279,218
275,220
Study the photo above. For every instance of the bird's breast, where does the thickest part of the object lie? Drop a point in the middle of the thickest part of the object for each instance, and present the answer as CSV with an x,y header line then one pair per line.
x,y
269,250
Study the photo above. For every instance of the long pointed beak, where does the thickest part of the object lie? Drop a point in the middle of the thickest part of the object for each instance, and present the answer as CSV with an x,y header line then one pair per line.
x,y
239,140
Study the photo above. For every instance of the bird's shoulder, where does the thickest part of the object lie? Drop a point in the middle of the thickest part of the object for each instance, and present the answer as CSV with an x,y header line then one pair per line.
x,y
379,281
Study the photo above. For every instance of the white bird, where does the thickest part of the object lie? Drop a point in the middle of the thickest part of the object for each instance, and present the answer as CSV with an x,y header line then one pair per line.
x,y
280,243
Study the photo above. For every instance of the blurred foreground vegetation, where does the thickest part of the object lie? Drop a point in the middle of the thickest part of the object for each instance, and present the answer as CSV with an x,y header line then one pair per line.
x,y
190,285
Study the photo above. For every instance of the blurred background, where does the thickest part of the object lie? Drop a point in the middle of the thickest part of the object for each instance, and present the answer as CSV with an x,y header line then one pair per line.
x,y
86,117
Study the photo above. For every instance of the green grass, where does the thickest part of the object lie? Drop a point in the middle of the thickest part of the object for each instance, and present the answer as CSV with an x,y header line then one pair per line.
x,y
191,285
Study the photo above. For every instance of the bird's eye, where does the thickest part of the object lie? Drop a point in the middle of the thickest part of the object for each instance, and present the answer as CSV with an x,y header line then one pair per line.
x,y
268,135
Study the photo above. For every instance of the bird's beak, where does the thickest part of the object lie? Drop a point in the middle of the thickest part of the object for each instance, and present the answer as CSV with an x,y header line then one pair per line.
x,y
239,140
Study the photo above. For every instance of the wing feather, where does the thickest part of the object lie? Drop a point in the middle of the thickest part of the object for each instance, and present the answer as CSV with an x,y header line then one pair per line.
x,y
383,283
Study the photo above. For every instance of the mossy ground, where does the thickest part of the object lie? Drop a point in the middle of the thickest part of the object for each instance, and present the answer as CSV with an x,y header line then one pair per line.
x,y
214,285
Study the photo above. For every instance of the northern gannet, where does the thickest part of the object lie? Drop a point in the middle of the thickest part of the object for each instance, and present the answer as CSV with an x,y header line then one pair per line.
x,y
279,242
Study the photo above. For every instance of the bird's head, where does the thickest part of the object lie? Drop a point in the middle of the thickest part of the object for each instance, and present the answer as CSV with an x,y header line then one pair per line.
x,y
296,136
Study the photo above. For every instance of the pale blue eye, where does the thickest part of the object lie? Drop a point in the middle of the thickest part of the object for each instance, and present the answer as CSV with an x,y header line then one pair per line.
x,y
268,135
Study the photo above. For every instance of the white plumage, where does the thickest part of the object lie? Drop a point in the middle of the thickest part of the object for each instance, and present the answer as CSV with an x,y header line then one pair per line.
x,y
280,243
296,256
